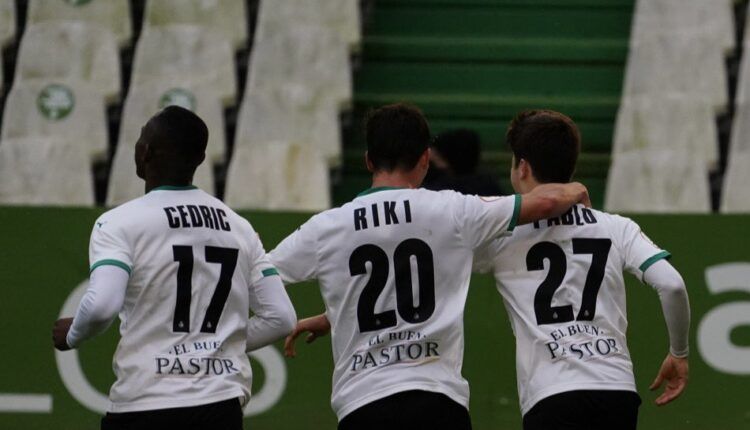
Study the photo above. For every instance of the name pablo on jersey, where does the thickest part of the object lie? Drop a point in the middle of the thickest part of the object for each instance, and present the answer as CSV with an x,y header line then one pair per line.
x,y
197,216
571,217
389,212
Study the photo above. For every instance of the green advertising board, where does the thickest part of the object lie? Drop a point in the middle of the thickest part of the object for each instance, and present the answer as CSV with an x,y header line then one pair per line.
x,y
43,270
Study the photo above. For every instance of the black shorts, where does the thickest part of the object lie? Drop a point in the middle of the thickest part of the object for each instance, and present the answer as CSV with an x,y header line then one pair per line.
x,y
224,415
409,410
585,410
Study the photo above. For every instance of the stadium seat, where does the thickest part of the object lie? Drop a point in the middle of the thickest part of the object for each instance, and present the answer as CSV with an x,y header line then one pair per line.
x,y
711,20
686,65
7,22
113,15
225,16
186,53
658,181
341,16
301,54
278,176
45,171
71,51
667,123
291,113
141,104
736,192
66,110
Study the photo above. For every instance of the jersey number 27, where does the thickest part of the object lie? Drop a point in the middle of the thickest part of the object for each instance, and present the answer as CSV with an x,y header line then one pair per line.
x,y
558,266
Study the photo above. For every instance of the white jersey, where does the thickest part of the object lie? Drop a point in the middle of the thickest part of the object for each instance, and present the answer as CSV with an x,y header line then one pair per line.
x,y
191,260
394,268
562,284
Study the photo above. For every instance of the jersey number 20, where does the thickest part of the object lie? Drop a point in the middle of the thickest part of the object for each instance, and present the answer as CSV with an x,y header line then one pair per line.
x,y
368,319
545,312
227,258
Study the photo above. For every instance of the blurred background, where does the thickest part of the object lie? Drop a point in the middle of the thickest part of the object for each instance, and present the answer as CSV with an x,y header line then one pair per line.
x,y
659,88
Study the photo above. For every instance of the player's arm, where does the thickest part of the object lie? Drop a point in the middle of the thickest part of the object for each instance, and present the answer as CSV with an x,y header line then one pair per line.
x,y
551,200
98,309
316,326
676,308
274,316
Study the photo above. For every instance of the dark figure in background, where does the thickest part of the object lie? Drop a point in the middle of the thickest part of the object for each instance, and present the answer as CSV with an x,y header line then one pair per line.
x,y
453,165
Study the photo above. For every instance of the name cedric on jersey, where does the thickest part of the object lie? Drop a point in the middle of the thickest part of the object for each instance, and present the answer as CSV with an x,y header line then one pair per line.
x,y
192,216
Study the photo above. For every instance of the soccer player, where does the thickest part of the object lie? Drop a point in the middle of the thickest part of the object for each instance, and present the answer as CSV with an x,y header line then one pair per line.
x,y
393,267
182,270
561,280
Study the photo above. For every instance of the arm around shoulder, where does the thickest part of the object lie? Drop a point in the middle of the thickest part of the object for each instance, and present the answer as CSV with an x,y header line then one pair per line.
x,y
551,200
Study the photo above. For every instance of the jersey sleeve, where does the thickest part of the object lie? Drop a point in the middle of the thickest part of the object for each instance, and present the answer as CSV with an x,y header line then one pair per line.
x,y
481,219
260,265
639,252
296,257
109,246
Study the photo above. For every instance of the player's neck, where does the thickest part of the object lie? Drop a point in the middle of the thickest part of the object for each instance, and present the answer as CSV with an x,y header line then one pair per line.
x,y
396,179
528,185
171,182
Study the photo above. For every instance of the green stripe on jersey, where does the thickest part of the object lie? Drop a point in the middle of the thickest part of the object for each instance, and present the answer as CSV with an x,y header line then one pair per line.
x,y
269,272
648,263
110,262
516,212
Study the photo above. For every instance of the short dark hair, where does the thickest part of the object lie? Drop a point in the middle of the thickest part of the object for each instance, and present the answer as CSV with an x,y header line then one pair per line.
x,y
397,135
460,148
549,141
182,134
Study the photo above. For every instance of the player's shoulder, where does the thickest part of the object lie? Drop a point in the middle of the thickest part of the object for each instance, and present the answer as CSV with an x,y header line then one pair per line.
x,y
612,220
123,214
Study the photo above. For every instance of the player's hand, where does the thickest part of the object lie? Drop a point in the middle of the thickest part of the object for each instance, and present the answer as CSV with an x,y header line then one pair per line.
x,y
317,326
584,197
675,372
60,333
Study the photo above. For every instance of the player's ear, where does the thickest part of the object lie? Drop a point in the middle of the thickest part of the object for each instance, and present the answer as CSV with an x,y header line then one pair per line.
x,y
424,159
368,163
524,169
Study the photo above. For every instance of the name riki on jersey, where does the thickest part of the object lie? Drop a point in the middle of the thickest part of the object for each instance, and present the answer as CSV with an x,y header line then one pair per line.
x,y
196,216
389,210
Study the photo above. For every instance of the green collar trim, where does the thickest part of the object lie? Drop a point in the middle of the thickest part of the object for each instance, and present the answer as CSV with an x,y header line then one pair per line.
x,y
376,189
175,188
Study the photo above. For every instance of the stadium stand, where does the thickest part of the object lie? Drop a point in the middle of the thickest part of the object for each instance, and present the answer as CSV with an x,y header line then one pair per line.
x,y
113,15
7,21
223,16
53,109
278,176
91,55
186,53
44,171
140,105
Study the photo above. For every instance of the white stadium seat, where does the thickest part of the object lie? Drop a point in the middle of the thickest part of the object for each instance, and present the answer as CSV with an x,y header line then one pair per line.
x,y
657,181
141,104
683,65
45,171
71,51
278,176
290,114
667,123
188,53
71,111
7,22
113,15
709,19
341,16
228,17
736,192
301,54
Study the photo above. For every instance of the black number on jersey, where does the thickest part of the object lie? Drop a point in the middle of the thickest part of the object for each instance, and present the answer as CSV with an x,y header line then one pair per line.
x,y
227,258
558,266
368,319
